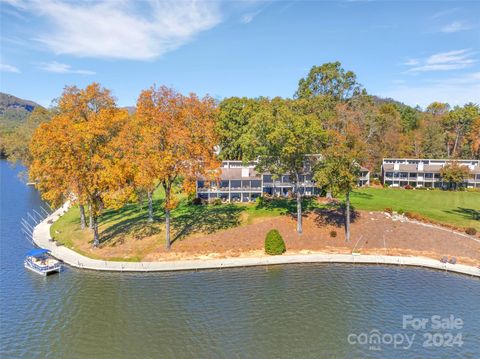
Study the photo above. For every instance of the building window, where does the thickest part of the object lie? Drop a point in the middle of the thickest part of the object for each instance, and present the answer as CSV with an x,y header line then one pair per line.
x,y
236,184
256,184
224,184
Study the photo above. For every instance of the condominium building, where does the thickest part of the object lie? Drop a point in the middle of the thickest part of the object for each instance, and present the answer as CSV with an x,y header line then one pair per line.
x,y
400,172
240,182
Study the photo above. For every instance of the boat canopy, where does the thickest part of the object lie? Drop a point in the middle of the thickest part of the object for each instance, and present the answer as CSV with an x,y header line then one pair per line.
x,y
38,252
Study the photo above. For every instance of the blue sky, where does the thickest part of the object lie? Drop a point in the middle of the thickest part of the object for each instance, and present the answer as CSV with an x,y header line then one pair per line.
x,y
415,52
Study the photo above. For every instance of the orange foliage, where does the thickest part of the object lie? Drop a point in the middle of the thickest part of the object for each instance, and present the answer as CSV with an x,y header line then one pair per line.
x,y
71,153
172,136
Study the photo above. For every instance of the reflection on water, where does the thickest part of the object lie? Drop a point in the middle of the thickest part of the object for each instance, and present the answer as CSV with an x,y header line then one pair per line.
x,y
304,311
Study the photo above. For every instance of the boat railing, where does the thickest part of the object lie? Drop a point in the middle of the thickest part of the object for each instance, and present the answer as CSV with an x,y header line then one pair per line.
x,y
42,268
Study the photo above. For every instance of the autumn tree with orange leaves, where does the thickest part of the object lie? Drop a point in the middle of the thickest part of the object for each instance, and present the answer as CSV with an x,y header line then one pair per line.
x,y
72,153
171,137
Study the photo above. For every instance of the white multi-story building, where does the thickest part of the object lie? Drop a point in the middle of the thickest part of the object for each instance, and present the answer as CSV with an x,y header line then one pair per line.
x,y
400,172
240,182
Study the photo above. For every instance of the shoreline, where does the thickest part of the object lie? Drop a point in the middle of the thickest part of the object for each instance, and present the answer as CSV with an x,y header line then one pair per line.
x,y
41,237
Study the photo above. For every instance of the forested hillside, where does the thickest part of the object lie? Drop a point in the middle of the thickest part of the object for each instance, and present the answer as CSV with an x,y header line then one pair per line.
x,y
18,120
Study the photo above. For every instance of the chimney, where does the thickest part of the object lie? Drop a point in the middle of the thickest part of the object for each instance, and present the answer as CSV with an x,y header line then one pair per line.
x,y
396,166
245,172
420,166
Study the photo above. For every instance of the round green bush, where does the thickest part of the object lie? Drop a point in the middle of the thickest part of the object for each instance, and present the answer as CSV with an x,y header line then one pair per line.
x,y
333,234
274,243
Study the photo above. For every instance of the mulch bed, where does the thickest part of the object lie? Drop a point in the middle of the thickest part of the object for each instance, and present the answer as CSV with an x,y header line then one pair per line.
x,y
371,233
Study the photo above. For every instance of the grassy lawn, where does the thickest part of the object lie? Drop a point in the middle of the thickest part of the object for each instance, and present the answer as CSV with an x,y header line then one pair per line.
x,y
127,228
457,208
130,224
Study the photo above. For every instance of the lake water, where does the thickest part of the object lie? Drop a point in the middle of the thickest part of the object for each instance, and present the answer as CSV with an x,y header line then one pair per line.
x,y
294,311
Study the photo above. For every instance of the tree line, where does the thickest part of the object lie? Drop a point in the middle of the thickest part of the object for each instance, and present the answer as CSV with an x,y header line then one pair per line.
x,y
94,153
386,127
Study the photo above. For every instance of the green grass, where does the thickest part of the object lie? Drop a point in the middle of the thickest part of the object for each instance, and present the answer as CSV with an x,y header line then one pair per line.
x,y
131,221
458,208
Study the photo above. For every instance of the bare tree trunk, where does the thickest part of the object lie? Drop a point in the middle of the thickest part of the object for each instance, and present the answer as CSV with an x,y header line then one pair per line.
x,y
96,240
329,195
299,207
167,229
167,216
90,224
83,223
150,206
347,217
455,144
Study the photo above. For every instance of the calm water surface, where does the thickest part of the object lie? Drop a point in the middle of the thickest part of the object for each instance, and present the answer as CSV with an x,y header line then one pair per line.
x,y
296,311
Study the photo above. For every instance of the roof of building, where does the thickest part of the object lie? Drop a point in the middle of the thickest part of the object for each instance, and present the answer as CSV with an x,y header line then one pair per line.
x,y
429,159
236,174
414,168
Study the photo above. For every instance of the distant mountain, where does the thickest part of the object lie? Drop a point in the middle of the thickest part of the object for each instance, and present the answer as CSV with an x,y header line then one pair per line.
x,y
9,102
14,110
385,100
131,109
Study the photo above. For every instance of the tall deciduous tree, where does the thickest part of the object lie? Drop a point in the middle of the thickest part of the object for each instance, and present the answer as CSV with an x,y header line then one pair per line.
x,y
177,137
233,119
438,108
71,152
433,138
458,123
340,166
283,139
474,138
329,79
454,174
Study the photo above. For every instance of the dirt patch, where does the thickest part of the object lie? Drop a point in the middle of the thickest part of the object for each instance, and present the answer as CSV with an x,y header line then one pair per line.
x,y
371,233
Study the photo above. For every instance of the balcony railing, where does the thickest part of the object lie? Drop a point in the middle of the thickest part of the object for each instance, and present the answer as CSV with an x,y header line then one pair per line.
x,y
226,189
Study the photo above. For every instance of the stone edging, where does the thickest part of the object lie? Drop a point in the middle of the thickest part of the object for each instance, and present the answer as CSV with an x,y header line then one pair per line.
x,y
41,237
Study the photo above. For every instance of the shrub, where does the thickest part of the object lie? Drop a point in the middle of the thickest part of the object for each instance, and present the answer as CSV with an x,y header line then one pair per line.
x,y
471,231
274,244
408,187
196,201
400,211
410,215
388,210
260,201
422,188
333,234
216,201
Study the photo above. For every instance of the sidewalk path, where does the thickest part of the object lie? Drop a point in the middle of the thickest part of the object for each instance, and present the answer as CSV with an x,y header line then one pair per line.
x,y
41,236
